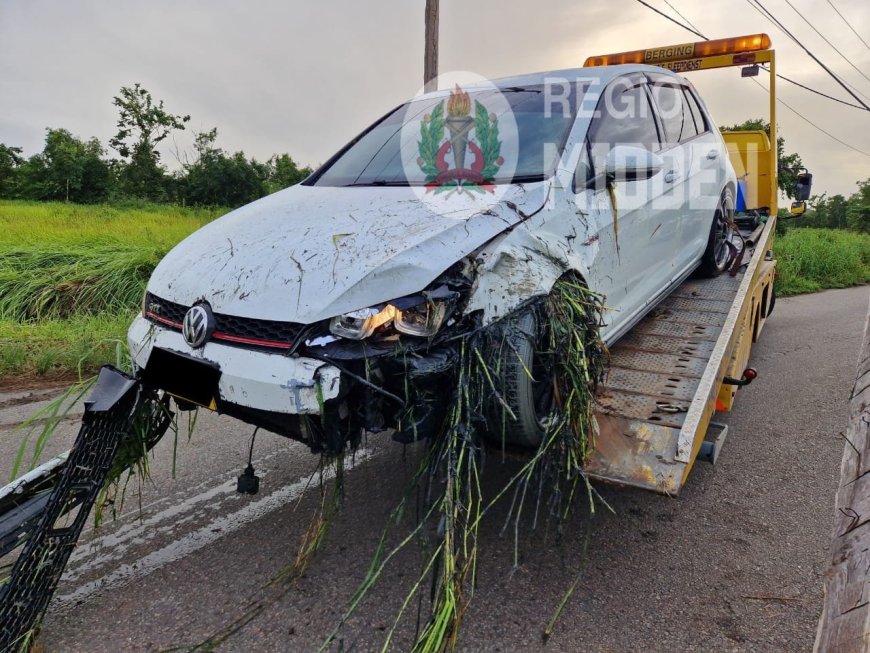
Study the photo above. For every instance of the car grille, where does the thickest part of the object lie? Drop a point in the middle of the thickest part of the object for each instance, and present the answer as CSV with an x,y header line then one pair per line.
x,y
228,328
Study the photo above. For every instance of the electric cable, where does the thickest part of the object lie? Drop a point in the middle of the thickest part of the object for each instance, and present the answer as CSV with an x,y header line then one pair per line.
x,y
779,75
849,25
780,100
807,120
764,12
836,49
673,20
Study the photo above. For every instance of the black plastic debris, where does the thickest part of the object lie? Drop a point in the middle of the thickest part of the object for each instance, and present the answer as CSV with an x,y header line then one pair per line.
x,y
117,406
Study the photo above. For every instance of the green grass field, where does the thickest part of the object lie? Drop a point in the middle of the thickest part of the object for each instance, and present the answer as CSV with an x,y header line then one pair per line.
x,y
810,260
72,277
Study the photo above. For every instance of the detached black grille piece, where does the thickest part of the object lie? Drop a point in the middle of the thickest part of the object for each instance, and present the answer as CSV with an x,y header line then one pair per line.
x,y
229,328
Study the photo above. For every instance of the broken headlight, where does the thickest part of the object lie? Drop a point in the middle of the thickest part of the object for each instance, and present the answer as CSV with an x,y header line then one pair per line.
x,y
418,315
422,320
357,325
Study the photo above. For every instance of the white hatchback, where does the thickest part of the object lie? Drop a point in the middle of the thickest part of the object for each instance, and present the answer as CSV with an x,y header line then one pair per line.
x,y
451,212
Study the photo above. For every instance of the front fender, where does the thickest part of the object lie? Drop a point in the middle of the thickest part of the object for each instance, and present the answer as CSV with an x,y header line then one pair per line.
x,y
518,266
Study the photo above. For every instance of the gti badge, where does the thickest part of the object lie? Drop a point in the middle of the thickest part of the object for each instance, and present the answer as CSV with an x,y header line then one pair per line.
x,y
198,325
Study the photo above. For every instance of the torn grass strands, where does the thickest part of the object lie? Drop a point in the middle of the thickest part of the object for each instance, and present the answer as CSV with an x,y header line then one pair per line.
x,y
569,360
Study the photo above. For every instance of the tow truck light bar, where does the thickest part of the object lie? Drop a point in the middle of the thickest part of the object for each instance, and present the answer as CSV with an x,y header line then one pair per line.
x,y
734,45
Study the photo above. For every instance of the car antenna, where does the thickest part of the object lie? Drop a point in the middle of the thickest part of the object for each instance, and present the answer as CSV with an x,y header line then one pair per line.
x,y
248,482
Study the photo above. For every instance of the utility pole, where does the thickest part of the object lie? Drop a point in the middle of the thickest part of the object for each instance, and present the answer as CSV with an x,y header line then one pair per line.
x,y
430,54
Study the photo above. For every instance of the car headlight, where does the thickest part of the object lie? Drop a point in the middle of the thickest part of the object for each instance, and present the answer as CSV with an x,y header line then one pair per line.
x,y
419,315
422,320
357,325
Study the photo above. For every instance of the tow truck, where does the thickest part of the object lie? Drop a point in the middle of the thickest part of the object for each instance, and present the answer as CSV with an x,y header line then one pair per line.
x,y
684,362
669,376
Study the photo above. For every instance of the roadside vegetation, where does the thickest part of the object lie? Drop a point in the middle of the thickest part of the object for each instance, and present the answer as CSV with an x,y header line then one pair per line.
x,y
810,260
73,276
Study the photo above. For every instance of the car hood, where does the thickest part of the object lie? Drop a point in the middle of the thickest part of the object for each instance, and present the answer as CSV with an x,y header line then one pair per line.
x,y
308,253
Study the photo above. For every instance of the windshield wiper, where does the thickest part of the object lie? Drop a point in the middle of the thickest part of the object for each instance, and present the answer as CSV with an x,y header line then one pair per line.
x,y
377,182
518,89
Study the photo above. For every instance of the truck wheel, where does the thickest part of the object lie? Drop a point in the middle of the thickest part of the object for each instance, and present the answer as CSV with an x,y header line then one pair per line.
x,y
718,253
526,376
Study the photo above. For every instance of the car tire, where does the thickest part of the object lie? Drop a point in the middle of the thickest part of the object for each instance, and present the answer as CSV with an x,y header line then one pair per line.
x,y
515,348
717,255
772,302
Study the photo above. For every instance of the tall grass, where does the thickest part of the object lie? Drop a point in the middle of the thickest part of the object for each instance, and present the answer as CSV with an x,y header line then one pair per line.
x,y
73,276
60,281
815,259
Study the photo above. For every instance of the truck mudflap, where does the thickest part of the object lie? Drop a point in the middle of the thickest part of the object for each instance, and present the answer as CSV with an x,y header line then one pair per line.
x,y
668,375
46,509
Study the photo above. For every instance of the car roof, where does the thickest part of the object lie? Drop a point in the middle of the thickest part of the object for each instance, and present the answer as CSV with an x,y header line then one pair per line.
x,y
603,74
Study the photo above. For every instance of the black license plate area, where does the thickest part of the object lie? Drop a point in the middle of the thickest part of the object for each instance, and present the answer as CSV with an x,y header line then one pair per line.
x,y
183,376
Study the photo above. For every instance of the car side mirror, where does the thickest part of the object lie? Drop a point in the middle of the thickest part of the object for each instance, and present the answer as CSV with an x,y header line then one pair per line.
x,y
630,163
804,186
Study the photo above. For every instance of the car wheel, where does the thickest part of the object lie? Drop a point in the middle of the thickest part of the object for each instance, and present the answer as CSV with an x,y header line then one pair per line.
x,y
718,253
526,373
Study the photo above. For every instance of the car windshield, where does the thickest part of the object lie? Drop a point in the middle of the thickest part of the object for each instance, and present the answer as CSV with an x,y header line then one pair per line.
x,y
395,152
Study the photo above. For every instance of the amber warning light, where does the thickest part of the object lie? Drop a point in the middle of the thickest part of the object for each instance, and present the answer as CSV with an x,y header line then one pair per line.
x,y
734,45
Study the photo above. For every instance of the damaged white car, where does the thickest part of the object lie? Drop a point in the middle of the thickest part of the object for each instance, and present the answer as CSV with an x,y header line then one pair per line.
x,y
331,307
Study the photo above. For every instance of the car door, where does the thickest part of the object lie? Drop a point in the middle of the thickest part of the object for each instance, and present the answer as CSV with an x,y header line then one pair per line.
x,y
709,159
682,168
641,212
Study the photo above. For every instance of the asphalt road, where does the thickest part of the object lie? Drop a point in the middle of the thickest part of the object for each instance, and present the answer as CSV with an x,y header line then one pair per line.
x,y
733,564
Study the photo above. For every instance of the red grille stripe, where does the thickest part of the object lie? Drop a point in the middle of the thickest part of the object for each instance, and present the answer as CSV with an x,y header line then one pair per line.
x,y
159,318
251,341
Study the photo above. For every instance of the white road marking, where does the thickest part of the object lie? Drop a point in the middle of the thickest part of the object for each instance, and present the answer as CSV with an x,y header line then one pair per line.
x,y
105,549
207,534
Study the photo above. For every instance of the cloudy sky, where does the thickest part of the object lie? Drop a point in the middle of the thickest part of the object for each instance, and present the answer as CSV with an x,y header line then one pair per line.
x,y
304,77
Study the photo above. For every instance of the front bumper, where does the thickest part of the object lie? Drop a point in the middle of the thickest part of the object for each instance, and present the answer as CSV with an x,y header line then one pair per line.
x,y
250,379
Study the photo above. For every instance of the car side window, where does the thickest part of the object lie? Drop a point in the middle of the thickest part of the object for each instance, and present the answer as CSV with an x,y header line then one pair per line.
x,y
690,130
697,114
675,114
624,117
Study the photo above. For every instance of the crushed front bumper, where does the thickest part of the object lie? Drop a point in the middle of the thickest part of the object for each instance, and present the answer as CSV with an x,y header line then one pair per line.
x,y
248,379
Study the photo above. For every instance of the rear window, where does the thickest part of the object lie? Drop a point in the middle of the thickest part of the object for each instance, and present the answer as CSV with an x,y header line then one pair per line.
x,y
381,156
697,114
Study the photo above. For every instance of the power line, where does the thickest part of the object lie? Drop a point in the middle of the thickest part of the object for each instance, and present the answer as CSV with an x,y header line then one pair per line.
x,y
807,120
697,32
812,90
836,49
782,27
849,25
673,20
780,100
688,22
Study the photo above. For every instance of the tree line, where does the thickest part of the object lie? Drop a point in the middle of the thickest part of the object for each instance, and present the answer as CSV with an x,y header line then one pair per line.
x,y
838,211
73,170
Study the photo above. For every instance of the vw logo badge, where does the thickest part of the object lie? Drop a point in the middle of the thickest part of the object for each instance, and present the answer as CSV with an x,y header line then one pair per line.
x,y
198,325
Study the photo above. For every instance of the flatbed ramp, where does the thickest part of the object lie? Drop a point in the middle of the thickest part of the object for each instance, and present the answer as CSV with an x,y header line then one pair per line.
x,y
668,375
